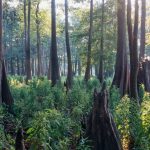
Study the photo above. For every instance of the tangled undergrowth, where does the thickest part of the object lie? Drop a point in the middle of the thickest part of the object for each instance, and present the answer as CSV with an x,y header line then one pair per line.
x,y
52,119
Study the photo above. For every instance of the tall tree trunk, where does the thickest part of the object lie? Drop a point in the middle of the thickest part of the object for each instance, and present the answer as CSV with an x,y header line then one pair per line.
x,y
101,67
76,62
39,73
133,49
12,59
25,39
121,56
143,17
69,74
46,64
22,66
55,76
134,55
87,72
18,66
49,69
96,70
28,63
1,47
79,66
12,66
64,61
32,67
5,95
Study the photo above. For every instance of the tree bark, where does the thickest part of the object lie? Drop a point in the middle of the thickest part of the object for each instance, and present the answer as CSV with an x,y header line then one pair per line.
x,y
39,73
28,63
49,69
121,71
79,66
25,39
101,128
18,66
55,76
5,95
69,74
22,67
142,40
132,36
101,67
64,61
1,47
133,49
12,66
88,65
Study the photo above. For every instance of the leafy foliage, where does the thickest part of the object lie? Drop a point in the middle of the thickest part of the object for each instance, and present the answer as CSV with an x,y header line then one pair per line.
x,y
52,118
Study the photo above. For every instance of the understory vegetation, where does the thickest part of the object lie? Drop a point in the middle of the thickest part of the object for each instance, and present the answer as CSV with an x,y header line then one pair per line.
x,y
52,118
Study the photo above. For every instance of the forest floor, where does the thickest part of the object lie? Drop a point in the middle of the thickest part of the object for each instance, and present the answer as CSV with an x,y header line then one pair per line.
x,y
53,119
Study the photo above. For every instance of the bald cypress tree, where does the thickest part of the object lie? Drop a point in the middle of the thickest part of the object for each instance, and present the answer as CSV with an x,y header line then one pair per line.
x,y
143,20
27,39
88,63
70,74
5,94
39,71
54,66
101,67
121,71
132,36
1,16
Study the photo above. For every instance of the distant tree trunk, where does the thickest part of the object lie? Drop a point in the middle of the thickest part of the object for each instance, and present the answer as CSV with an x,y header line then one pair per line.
x,y
25,39
88,65
55,76
12,66
64,61
39,73
143,18
79,66
76,62
49,69
46,64
91,69
5,95
96,70
120,77
28,63
32,67
11,59
144,74
18,66
101,67
133,49
6,61
69,74
1,49
22,66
